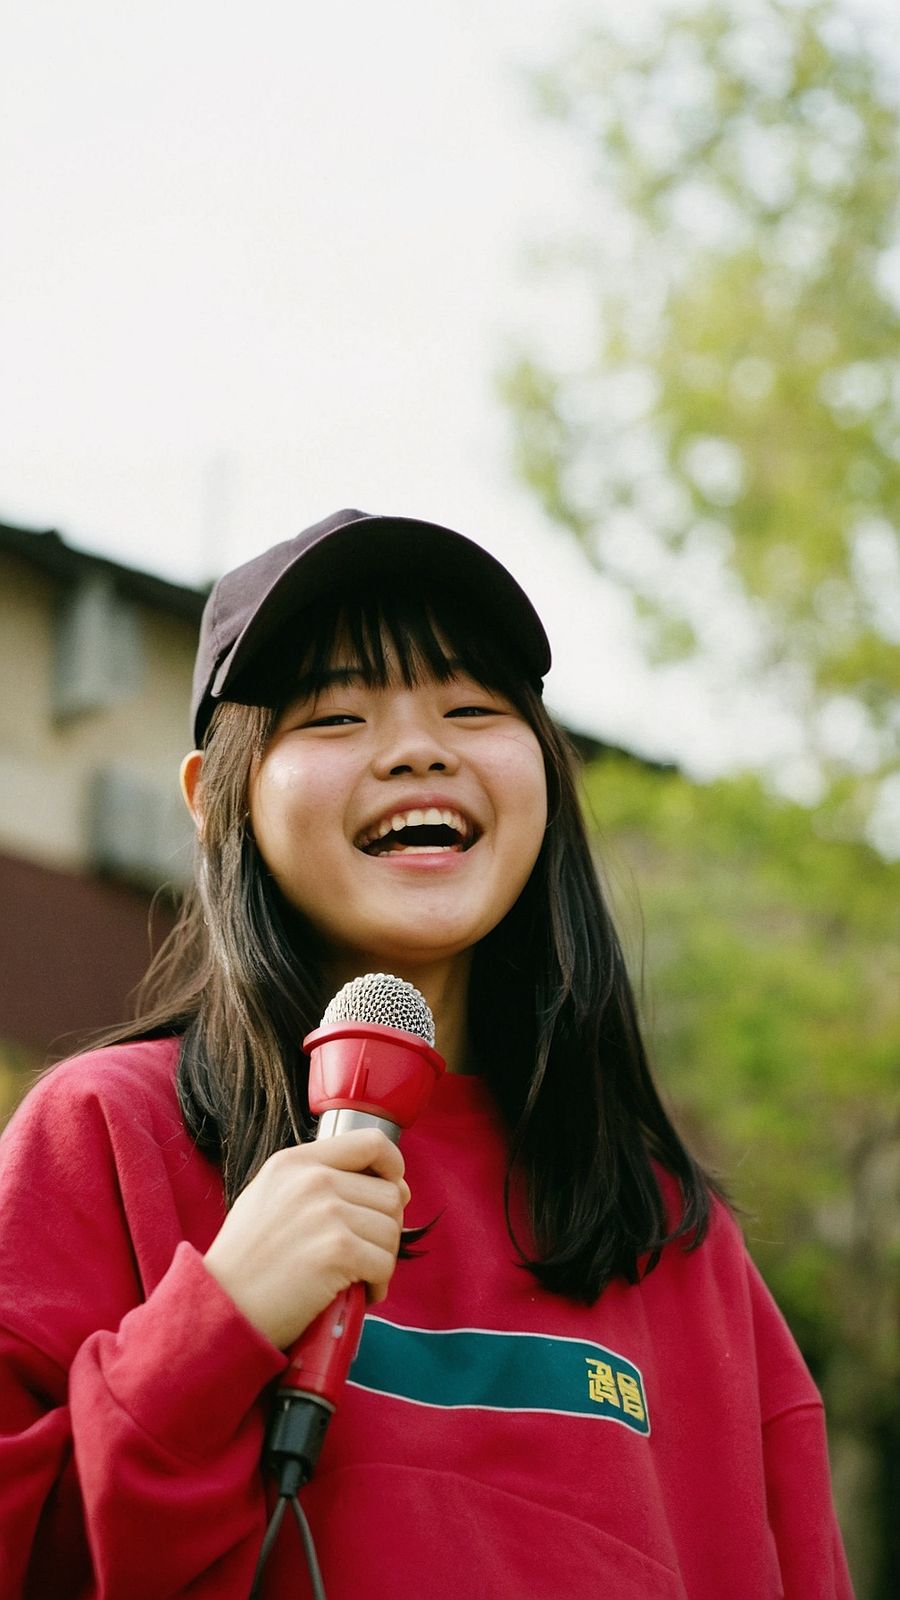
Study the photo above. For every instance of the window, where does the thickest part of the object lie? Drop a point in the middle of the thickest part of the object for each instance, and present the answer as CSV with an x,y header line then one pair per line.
x,y
98,649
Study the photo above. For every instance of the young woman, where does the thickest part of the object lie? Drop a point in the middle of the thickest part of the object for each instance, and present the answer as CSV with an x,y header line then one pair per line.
x,y
576,1384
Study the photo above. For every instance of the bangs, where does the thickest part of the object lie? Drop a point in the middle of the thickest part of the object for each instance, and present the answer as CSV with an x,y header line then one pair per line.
x,y
396,635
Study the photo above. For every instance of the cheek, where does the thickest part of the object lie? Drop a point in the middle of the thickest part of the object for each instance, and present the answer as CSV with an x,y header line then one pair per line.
x,y
287,799
526,781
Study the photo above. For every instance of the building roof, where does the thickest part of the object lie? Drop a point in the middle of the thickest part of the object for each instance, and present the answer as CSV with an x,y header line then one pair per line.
x,y
47,551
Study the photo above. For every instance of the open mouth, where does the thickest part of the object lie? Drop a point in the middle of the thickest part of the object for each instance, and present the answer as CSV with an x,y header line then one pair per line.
x,y
418,832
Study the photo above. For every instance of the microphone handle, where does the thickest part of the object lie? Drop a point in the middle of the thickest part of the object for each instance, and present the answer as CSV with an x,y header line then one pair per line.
x,y
362,1075
322,1356
320,1359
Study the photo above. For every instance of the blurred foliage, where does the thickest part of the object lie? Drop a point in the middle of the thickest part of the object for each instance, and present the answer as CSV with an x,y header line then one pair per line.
x,y
722,434
768,960
725,440
18,1066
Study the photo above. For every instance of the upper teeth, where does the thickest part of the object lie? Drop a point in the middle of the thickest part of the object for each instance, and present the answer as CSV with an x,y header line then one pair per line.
x,y
432,818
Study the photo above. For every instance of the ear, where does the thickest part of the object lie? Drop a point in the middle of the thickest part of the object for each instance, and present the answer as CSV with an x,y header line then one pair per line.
x,y
191,770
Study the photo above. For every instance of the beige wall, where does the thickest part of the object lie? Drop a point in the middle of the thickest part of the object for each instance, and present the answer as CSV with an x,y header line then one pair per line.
x,y
46,765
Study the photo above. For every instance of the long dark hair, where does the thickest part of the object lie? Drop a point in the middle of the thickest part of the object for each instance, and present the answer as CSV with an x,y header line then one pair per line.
x,y
552,1014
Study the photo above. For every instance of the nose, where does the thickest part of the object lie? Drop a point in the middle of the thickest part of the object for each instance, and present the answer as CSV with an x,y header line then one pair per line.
x,y
414,743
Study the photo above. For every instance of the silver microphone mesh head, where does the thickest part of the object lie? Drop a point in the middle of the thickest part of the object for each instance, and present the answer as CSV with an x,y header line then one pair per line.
x,y
380,997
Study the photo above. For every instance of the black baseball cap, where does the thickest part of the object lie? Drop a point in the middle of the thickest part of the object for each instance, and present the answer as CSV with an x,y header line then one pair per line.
x,y
249,604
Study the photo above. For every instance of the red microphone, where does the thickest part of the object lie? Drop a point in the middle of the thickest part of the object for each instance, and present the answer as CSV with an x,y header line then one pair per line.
x,y
372,1065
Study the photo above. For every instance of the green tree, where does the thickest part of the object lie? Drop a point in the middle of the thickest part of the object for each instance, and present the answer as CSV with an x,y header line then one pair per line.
x,y
724,440
770,968
727,442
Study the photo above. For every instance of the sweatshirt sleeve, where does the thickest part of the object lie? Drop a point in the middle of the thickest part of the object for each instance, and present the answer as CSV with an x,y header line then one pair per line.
x,y
130,1420
801,1514
795,1453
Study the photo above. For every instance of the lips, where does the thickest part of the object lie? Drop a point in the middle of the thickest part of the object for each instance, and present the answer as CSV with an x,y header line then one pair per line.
x,y
418,829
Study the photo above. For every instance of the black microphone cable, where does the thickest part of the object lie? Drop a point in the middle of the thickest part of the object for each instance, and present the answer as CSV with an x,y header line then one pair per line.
x,y
291,1479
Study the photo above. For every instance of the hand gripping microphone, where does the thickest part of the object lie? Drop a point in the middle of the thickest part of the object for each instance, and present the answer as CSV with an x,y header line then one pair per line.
x,y
372,1065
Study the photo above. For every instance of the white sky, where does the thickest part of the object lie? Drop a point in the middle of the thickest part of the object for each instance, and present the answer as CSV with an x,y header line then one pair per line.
x,y
263,261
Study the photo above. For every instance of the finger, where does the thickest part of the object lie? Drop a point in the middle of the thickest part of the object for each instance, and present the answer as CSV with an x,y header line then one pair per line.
x,y
359,1253
363,1150
374,1228
361,1189
374,1268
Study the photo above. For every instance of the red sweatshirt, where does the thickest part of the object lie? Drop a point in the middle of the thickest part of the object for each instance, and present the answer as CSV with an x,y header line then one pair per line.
x,y
495,1440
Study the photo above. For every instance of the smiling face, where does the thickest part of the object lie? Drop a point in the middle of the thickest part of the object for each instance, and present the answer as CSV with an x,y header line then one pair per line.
x,y
400,805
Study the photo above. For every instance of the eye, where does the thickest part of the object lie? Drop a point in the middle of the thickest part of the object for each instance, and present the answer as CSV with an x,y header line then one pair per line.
x,y
475,711
333,719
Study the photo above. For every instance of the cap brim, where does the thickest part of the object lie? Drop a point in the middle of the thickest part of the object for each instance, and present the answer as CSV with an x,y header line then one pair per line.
x,y
417,549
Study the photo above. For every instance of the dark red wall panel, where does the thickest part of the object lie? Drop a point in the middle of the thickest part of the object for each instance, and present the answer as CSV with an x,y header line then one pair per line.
x,y
71,950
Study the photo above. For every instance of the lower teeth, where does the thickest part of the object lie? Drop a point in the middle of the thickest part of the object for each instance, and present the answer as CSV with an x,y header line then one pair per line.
x,y
420,849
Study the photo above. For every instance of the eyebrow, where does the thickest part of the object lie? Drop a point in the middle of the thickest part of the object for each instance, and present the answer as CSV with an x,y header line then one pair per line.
x,y
316,683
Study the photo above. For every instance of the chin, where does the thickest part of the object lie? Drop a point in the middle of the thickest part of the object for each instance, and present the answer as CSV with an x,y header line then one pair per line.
x,y
404,952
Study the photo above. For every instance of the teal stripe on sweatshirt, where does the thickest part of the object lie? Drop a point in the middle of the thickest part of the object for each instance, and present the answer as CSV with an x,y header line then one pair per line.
x,y
482,1369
